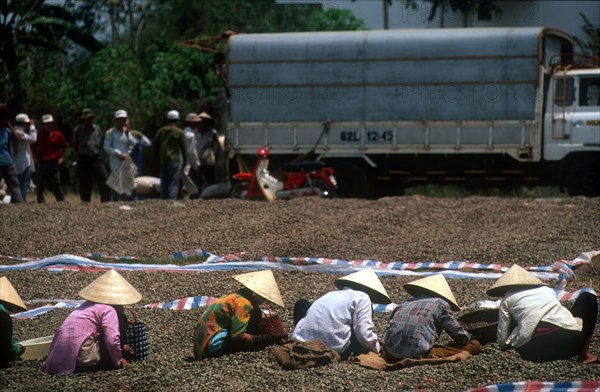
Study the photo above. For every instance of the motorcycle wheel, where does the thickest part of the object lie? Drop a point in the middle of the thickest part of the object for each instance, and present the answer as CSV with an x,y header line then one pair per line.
x,y
327,192
240,190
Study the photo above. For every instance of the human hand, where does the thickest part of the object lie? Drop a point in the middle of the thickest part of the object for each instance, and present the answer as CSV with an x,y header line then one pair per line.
x,y
124,363
21,349
127,350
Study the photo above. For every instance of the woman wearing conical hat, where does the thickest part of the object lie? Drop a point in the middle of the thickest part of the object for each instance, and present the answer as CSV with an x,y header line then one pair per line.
x,y
90,338
343,319
229,324
9,300
535,323
416,324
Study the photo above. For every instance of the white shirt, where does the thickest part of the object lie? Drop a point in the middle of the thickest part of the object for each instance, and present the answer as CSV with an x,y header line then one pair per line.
x,y
191,137
22,158
332,317
529,307
117,144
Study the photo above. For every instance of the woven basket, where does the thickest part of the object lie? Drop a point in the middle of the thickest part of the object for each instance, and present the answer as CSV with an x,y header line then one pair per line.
x,y
271,324
481,323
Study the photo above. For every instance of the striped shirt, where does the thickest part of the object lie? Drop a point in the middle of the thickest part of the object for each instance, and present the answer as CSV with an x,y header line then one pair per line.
x,y
415,325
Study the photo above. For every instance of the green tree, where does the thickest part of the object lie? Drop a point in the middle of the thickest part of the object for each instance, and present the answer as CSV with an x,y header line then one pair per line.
x,y
463,6
33,23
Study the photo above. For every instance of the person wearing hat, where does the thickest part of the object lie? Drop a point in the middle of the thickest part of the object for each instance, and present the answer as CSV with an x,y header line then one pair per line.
x,y
91,337
10,350
192,135
343,319
87,143
7,168
224,327
416,324
170,149
50,150
534,322
207,146
25,134
118,143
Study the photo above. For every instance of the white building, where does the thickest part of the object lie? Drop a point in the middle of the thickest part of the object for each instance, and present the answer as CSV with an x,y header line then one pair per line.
x,y
563,15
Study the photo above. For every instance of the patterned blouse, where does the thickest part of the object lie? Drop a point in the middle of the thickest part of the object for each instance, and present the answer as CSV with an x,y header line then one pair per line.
x,y
222,328
416,324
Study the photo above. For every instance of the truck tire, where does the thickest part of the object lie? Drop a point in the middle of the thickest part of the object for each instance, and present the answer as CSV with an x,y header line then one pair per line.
x,y
352,180
583,179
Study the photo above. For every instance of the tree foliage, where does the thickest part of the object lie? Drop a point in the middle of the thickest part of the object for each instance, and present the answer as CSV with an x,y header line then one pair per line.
x,y
591,46
136,62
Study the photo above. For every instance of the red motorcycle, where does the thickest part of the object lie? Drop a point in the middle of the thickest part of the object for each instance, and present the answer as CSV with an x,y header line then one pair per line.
x,y
305,178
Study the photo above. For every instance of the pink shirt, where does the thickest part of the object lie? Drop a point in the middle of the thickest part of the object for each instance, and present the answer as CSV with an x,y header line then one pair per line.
x,y
87,319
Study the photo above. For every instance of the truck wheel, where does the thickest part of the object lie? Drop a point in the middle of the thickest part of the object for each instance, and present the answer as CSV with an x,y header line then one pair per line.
x,y
352,180
584,179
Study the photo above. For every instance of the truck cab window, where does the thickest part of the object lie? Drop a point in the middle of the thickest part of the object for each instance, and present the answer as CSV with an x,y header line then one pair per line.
x,y
589,92
568,92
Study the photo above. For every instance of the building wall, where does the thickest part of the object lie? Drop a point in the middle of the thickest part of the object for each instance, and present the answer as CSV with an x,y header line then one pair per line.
x,y
563,15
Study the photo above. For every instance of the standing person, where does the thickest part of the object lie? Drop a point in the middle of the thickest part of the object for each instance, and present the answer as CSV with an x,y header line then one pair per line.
x,y
169,147
416,324
7,169
87,143
137,153
51,149
25,134
207,146
9,300
90,338
192,123
343,319
535,323
223,327
117,144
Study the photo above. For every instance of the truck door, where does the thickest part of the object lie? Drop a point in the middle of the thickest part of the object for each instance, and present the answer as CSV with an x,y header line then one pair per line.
x,y
585,120
562,109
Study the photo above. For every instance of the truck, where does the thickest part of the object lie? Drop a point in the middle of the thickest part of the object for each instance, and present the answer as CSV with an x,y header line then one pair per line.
x,y
397,108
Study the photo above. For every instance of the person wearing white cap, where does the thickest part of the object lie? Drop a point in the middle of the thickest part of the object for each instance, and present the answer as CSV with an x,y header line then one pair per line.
x,y
7,168
10,350
343,319
170,149
416,324
535,323
87,143
25,134
225,326
50,150
91,337
118,143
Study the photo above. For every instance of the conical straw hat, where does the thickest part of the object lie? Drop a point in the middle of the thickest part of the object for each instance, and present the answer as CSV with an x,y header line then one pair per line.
x,y
262,283
516,276
369,279
9,296
111,289
435,285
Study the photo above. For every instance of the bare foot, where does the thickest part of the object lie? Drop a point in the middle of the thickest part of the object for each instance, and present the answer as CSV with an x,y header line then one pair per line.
x,y
589,359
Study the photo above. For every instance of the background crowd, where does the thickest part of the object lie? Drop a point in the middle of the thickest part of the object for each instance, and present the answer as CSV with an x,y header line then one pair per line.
x,y
36,158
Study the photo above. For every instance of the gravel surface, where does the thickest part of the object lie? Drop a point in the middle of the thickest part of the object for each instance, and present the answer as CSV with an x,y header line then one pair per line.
x,y
416,228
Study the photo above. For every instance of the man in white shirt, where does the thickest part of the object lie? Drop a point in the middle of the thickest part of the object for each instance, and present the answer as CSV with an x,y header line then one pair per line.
x,y
25,134
534,322
342,319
